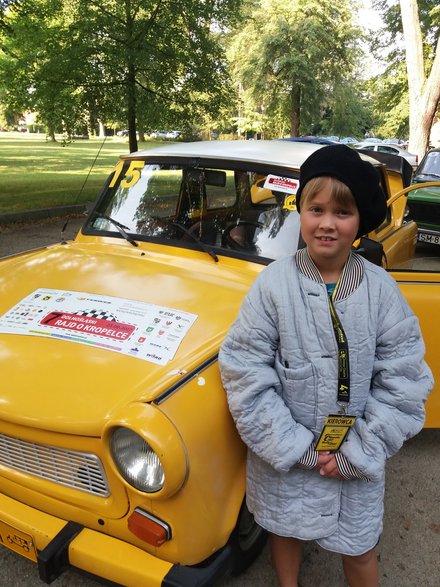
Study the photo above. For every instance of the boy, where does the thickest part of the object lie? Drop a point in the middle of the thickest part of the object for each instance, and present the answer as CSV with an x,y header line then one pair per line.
x,y
325,376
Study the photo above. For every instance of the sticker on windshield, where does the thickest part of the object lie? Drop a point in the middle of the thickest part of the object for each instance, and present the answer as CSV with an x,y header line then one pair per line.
x,y
286,185
138,329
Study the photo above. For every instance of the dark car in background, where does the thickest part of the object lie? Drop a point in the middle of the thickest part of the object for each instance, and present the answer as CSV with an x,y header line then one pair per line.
x,y
424,203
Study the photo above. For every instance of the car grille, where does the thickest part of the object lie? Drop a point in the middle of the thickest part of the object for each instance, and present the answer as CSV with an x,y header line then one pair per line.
x,y
425,212
70,468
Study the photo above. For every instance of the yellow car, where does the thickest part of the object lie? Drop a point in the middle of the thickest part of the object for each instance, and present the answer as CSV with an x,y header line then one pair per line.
x,y
118,454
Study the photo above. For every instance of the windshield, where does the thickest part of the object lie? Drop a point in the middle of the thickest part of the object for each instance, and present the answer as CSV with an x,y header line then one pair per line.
x,y
240,210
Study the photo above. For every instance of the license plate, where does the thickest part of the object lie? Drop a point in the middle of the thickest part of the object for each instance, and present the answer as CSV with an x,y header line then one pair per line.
x,y
429,238
17,541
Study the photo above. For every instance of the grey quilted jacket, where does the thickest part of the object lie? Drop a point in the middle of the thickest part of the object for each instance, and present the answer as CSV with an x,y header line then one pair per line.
x,y
279,368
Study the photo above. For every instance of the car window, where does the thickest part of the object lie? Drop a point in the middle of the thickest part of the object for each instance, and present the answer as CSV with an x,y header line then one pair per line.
x,y
238,210
431,164
383,149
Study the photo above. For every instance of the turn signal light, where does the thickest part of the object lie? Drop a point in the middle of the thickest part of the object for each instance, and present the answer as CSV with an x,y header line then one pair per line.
x,y
148,528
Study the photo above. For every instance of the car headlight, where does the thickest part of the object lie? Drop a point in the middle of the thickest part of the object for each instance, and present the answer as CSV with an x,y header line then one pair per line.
x,y
137,462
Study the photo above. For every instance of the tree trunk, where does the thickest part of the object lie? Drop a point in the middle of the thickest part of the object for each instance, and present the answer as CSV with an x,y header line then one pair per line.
x,y
131,82
295,111
424,94
51,134
101,132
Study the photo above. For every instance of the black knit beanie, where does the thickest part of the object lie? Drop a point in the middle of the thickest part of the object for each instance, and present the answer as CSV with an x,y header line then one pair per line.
x,y
345,164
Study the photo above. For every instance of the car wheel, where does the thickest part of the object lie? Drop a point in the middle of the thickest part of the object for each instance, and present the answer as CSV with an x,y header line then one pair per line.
x,y
246,541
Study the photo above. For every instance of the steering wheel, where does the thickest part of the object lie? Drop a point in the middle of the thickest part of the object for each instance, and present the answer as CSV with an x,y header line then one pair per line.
x,y
236,235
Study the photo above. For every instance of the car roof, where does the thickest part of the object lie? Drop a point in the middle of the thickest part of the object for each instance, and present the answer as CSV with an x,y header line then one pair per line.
x,y
289,154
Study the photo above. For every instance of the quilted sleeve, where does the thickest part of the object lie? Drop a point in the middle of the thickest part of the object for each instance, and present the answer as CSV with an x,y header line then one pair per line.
x,y
401,382
246,361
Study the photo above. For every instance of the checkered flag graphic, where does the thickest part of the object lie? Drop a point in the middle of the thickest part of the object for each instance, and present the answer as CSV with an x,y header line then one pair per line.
x,y
100,314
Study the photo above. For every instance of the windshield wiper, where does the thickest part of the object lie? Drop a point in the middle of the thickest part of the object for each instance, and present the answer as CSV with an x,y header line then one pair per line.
x,y
120,228
201,245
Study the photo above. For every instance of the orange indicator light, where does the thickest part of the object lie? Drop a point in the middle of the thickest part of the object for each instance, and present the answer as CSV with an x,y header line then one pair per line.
x,y
148,528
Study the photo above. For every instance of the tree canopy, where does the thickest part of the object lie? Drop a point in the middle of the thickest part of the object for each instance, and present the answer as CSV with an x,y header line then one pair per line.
x,y
296,58
407,94
273,67
142,60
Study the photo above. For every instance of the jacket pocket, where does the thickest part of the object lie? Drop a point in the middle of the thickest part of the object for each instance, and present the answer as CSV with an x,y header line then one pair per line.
x,y
298,390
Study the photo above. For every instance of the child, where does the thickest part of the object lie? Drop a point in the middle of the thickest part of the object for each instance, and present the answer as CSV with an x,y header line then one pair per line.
x,y
325,376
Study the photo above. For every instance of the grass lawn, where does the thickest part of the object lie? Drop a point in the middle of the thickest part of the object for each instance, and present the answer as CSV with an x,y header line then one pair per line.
x,y
36,173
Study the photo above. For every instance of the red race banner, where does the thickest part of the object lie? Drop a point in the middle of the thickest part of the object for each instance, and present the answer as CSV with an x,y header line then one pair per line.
x,y
89,325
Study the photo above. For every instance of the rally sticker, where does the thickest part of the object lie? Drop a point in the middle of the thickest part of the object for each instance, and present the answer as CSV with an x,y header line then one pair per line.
x,y
106,328
286,185
146,331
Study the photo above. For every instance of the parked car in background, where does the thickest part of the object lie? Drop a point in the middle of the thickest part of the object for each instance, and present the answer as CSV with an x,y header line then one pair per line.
x,y
429,167
349,141
158,134
389,148
173,134
310,139
393,141
424,203
118,452
372,140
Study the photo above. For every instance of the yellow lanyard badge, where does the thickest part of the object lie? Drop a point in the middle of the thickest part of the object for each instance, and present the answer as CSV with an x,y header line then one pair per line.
x,y
334,432
336,427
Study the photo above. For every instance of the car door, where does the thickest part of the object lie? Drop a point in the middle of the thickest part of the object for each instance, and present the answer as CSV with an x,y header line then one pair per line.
x,y
397,234
419,281
421,289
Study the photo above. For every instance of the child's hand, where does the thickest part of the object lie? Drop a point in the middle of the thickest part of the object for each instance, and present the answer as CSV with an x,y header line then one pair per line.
x,y
327,465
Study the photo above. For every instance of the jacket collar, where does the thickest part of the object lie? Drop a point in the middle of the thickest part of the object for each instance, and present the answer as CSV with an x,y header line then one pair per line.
x,y
349,281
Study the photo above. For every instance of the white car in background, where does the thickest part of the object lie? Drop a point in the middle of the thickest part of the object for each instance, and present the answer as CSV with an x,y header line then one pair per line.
x,y
391,149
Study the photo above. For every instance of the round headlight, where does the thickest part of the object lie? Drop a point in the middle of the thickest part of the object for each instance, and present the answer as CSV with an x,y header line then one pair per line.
x,y
136,461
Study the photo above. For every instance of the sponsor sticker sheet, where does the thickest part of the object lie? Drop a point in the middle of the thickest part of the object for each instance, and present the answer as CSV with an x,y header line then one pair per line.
x,y
139,329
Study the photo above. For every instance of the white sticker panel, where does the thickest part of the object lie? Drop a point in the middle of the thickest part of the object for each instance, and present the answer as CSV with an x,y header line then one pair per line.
x,y
138,329
286,185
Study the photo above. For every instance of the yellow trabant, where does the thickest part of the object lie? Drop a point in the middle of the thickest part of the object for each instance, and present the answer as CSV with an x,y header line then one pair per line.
x,y
118,453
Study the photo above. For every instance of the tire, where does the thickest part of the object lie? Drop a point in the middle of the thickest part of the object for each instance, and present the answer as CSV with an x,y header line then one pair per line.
x,y
246,541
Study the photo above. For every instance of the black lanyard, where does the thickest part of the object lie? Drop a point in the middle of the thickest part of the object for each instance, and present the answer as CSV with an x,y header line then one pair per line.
x,y
343,362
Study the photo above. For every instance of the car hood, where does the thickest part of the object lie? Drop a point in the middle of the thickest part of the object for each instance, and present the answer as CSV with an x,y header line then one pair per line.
x,y
62,385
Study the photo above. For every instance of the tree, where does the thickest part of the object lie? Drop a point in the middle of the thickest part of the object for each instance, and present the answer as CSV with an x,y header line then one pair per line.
x,y
147,61
39,61
292,54
407,92
423,76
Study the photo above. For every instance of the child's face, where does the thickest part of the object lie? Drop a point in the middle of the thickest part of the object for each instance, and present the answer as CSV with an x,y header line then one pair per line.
x,y
328,228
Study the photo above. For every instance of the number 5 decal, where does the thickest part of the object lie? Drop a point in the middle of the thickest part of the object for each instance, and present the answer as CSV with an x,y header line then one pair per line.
x,y
132,175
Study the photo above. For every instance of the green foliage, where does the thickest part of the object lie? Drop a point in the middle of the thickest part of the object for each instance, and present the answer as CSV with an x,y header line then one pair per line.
x,y
389,95
390,88
292,56
77,61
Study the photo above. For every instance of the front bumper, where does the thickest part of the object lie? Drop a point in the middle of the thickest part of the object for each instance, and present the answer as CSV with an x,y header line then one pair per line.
x,y
61,545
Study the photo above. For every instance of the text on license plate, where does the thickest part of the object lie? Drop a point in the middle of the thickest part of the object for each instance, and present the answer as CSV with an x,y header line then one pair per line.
x,y
429,238
17,541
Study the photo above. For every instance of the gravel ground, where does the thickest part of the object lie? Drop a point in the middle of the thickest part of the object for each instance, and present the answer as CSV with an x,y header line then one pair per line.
x,y
410,546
